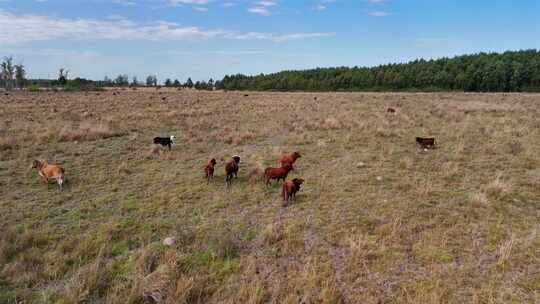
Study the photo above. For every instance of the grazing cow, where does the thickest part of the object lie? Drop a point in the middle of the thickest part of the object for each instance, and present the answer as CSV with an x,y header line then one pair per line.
x,y
277,173
391,110
165,141
290,188
209,170
47,172
426,143
231,169
289,159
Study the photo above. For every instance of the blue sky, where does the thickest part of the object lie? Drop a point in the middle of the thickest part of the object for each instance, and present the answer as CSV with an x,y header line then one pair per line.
x,y
211,38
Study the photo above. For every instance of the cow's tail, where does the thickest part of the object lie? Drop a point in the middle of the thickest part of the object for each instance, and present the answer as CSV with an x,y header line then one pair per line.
x,y
61,178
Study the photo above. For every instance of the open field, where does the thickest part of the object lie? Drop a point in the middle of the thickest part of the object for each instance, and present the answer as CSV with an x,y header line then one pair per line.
x,y
378,221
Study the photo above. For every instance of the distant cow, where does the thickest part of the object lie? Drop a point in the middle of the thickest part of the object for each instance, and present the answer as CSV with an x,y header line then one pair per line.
x,y
290,188
391,110
289,159
231,169
209,170
165,141
277,173
47,171
426,142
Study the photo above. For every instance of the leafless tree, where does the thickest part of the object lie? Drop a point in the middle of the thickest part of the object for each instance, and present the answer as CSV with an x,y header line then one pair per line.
x,y
20,75
8,72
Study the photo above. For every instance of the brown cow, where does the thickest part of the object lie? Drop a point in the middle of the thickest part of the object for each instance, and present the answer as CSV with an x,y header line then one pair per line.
x,y
277,173
289,159
209,170
391,110
290,188
231,169
47,172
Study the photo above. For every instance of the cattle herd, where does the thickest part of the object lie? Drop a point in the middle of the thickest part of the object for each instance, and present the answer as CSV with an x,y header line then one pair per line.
x,y
54,172
289,188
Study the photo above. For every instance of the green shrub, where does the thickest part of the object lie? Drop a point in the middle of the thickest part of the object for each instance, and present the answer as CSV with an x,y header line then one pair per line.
x,y
80,84
34,88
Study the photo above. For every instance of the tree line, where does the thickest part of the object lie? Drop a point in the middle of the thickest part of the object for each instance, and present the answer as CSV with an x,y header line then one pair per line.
x,y
13,76
123,80
512,71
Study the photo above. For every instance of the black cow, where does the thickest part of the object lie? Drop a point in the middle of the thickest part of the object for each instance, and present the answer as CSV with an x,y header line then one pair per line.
x,y
426,142
165,141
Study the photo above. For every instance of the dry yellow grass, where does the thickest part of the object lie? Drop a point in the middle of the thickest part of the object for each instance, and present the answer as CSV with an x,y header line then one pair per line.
x,y
378,221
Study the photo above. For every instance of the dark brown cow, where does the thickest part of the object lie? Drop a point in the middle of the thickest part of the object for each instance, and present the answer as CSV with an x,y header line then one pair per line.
x,y
231,169
426,142
290,188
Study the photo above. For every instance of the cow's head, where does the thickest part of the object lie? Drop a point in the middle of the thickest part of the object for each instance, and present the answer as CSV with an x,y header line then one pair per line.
x,y
36,164
298,182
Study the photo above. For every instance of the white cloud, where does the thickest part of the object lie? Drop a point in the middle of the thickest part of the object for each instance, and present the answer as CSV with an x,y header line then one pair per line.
x,y
378,14
323,5
266,3
278,38
201,9
116,17
25,28
121,2
262,7
16,29
259,10
54,53
196,2
223,53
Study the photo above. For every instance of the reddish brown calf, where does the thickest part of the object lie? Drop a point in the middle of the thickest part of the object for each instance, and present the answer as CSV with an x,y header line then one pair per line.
x,y
289,159
209,170
277,173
